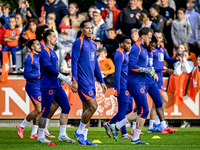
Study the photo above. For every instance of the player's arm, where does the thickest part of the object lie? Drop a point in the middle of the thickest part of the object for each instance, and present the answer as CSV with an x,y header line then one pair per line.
x,y
118,68
112,67
168,59
28,70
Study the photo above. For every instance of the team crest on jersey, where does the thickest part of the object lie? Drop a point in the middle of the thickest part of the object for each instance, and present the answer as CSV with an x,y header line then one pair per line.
x,y
142,90
160,57
13,33
92,55
126,93
90,93
106,65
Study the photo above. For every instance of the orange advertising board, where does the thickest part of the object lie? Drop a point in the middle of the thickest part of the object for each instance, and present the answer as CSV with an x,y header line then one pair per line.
x,y
15,103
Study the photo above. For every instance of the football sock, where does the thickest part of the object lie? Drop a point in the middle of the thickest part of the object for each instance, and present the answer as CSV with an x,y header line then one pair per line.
x,y
24,123
151,124
81,128
47,122
136,135
134,125
163,125
63,130
157,120
41,133
85,133
34,130
122,123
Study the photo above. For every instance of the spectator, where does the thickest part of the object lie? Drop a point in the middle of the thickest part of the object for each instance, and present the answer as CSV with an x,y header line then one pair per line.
x,y
145,22
172,4
22,7
29,35
197,6
98,42
140,5
2,31
134,35
156,17
110,13
52,25
128,18
74,18
169,14
31,14
11,38
102,4
106,65
39,34
180,30
192,17
51,15
90,12
111,43
6,10
21,22
53,5
100,27
1,5
197,33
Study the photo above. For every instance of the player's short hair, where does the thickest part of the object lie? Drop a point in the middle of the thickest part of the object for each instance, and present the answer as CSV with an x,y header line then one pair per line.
x,y
158,31
11,17
134,30
30,43
145,31
190,1
143,18
46,34
123,38
82,25
182,9
111,29
6,5
39,32
2,21
102,49
33,20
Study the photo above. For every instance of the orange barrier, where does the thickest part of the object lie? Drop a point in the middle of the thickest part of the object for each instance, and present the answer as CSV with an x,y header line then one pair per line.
x,y
15,103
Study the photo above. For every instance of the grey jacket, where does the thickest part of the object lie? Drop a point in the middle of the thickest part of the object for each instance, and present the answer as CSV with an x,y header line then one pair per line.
x,y
197,29
180,31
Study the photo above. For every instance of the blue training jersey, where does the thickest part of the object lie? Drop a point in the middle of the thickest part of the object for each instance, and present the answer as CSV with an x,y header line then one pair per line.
x,y
121,70
48,57
138,57
159,55
84,62
32,72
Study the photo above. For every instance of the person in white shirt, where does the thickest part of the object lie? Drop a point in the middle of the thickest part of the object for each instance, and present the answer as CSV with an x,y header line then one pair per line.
x,y
185,65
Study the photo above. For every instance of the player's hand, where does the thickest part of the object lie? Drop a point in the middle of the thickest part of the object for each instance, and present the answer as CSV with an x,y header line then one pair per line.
x,y
149,70
104,88
169,71
156,77
74,87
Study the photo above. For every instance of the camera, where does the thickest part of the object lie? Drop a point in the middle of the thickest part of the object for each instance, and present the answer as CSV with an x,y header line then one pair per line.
x,y
24,2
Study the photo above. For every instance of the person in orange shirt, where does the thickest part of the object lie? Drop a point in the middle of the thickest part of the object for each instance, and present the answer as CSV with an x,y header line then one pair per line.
x,y
106,65
11,38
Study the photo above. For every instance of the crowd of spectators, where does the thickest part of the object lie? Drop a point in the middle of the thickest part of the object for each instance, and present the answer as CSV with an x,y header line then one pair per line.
x,y
180,28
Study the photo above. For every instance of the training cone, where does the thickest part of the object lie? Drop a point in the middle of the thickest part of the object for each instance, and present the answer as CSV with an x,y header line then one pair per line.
x,y
96,141
156,137
52,144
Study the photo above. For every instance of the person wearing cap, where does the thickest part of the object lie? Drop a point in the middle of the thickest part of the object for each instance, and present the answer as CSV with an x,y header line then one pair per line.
x,y
66,39
100,27
110,13
156,17
98,42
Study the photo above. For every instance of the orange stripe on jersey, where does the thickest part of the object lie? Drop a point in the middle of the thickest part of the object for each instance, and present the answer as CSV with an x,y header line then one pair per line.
x,y
135,106
161,91
74,80
164,71
42,42
115,94
121,50
81,37
141,112
138,43
42,111
35,101
47,49
31,54
135,70
87,97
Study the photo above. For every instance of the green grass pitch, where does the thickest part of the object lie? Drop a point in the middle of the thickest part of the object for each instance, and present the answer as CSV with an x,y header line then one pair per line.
x,y
187,138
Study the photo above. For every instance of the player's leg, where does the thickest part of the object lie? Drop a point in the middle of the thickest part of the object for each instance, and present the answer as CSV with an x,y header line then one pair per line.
x,y
13,52
47,99
62,100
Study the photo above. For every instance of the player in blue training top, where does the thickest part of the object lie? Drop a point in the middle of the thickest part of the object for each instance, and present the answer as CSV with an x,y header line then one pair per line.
x,y
84,69
125,102
151,87
51,88
32,76
138,69
159,55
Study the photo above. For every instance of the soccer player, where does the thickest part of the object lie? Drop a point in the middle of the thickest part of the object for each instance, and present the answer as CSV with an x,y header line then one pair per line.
x,y
51,88
32,76
138,61
125,102
85,68
159,55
